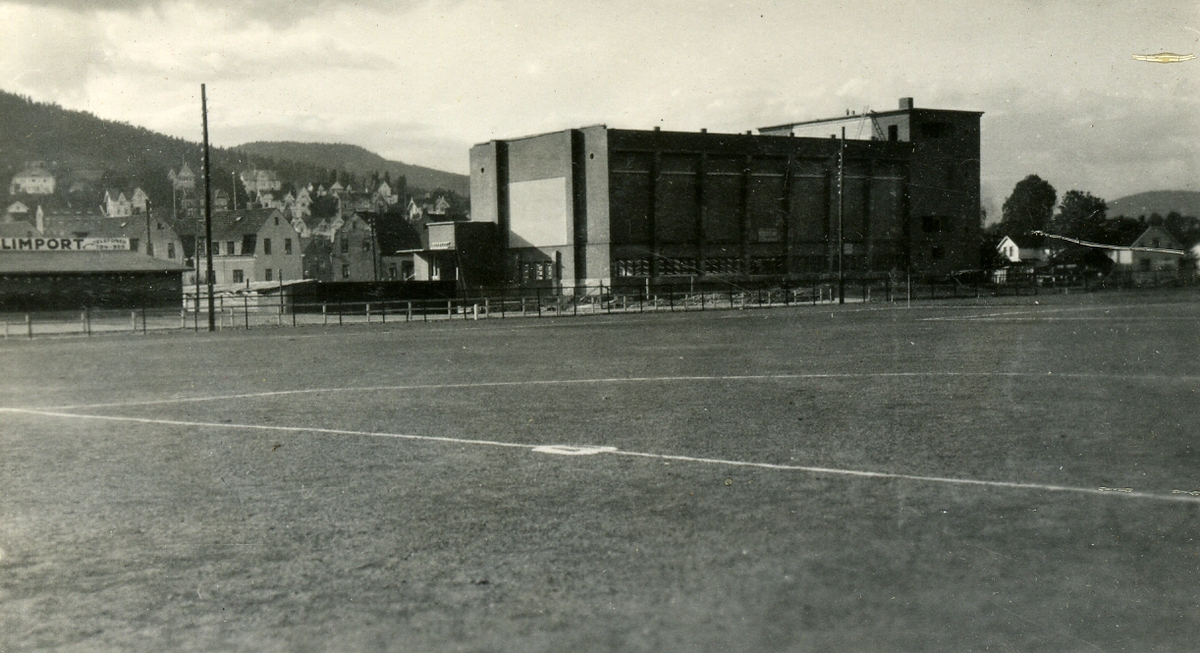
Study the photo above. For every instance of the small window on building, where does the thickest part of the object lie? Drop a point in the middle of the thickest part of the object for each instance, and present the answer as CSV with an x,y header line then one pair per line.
x,y
229,248
266,246
930,224
276,221
239,276
893,132
936,129
170,250
392,271
345,270
269,274
287,246
133,244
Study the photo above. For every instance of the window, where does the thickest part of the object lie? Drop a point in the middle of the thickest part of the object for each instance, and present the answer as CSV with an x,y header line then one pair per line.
x,y
239,276
229,248
276,221
133,244
936,129
266,246
287,246
268,274
345,270
345,246
392,271
893,132
170,250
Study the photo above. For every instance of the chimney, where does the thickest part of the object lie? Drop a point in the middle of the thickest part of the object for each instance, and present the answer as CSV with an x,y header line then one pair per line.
x,y
906,104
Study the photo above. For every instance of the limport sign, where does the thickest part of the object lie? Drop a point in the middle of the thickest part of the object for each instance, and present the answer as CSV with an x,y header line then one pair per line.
x,y
63,244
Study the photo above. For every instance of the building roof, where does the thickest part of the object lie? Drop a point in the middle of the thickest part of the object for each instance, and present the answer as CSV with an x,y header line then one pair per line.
x,y
1026,241
100,262
231,225
17,229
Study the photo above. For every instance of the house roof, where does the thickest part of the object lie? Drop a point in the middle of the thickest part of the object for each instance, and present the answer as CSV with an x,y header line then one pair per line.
x,y
1164,237
83,262
17,229
230,225
1026,241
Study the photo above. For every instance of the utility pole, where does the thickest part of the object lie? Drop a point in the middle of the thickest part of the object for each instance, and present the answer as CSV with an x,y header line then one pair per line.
x,y
212,323
149,247
841,212
233,186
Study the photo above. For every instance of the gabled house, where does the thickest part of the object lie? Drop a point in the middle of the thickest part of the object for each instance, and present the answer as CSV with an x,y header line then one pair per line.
x,y
185,179
355,254
123,204
254,245
1024,249
1155,249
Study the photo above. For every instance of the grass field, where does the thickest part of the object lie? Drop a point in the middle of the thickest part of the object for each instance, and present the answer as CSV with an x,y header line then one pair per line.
x,y
1035,483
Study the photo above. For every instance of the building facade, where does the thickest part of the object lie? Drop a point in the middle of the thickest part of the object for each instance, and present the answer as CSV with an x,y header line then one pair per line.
x,y
252,245
592,205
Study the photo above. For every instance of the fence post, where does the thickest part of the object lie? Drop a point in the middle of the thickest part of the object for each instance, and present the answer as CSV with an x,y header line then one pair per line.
x,y
133,321
539,301
408,311
425,313
368,312
383,312
29,325
671,297
245,311
450,309
293,309
339,312
503,302
475,312
83,321
324,313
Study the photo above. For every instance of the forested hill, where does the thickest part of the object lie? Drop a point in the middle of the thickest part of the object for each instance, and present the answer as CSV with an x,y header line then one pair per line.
x,y
1162,202
77,142
359,161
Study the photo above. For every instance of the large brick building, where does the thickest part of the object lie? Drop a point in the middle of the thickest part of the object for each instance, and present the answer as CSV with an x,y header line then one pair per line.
x,y
607,205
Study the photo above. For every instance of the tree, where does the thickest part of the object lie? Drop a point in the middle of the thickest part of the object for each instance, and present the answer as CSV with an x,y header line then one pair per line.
x,y
1081,215
1030,207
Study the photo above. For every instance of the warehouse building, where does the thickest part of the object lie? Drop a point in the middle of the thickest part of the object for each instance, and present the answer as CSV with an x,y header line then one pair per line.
x,y
598,205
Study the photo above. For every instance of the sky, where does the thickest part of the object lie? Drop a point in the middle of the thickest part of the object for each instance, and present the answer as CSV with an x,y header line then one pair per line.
x,y
420,81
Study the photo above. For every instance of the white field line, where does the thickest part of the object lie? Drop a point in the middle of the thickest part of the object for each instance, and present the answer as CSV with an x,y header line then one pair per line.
x,y
602,450
632,379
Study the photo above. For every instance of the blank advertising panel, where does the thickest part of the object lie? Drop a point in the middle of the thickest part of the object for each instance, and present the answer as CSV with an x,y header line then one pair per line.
x,y
538,214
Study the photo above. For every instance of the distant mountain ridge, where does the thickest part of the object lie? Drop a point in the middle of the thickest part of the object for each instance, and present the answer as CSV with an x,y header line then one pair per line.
x,y
1162,202
358,160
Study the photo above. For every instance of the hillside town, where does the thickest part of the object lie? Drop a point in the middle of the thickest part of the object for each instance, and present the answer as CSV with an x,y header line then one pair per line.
x,y
279,232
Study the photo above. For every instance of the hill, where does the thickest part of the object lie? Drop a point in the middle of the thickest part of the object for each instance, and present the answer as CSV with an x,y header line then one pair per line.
x,y
358,161
1162,202
80,145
